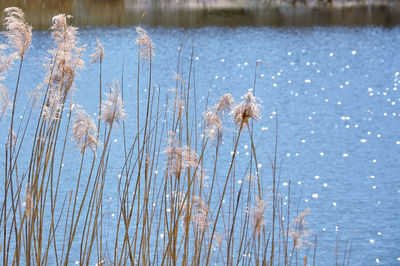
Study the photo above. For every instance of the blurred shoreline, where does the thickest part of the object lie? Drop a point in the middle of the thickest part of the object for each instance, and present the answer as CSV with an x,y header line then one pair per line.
x,y
198,13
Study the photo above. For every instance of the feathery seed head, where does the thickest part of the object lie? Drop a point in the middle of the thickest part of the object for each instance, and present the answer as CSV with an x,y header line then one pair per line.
x,y
189,157
200,215
212,120
13,138
298,232
84,131
113,105
179,157
174,154
257,214
5,102
171,138
225,103
52,108
246,110
66,56
218,238
201,175
180,78
63,76
180,107
98,55
63,34
213,124
28,201
148,160
19,33
175,160
5,61
146,48
300,220
251,178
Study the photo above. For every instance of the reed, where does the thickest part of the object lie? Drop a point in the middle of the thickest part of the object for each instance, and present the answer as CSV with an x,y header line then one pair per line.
x,y
178,202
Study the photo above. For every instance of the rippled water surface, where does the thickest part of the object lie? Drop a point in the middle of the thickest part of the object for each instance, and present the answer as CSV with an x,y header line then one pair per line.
x,y
337,95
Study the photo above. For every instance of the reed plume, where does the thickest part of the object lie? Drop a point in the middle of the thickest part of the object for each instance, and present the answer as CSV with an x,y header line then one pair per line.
x,y
257,215
200,216
98,55
19,33
248,109
178,157
5,102
213,118
174,155
179,77
225,104
146,47
298,232
5,61
84,131
218,239
251,178
52,109
113,106
28,201
189,157
66,56
12,139
213,125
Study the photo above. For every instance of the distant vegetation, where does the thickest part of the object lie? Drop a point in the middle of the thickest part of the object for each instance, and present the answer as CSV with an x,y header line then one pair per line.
x,y
194,13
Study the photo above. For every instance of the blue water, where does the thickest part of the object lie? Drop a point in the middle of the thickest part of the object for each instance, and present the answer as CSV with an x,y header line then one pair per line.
x,y
337,95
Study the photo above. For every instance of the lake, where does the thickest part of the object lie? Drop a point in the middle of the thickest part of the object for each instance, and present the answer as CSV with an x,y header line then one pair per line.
x,y
336,91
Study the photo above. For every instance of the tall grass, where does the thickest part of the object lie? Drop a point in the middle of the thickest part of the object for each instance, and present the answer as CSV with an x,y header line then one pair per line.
x,y
179,202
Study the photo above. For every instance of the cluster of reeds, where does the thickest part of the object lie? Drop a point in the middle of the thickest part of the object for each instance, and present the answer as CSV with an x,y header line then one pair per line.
x,y
178,201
